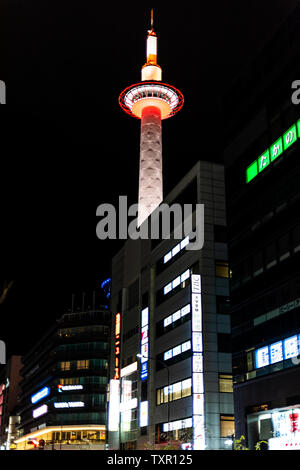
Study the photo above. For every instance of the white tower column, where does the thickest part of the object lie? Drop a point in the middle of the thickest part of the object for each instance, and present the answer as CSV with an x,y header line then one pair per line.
x,y
150,178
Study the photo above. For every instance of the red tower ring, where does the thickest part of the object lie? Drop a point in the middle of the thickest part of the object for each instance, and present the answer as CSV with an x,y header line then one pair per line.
x,y
151,93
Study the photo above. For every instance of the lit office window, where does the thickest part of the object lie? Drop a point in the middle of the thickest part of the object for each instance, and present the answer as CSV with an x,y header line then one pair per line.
x,y
222,269
83,364
177,391
225,383
186,388
177,281
65,365
177,350
176,249
177,315
226,425
185,346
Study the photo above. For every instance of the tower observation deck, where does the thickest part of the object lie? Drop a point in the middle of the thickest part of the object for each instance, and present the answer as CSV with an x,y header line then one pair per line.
x,y
151,101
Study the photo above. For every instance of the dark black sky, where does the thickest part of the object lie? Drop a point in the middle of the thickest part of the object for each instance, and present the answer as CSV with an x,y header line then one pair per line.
x,y
66,146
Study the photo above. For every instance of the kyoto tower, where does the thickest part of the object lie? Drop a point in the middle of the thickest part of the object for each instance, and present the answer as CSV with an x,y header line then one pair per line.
x,y
151,101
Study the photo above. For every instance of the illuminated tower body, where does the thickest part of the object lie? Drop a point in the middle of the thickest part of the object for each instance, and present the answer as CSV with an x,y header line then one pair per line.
x,y
151,101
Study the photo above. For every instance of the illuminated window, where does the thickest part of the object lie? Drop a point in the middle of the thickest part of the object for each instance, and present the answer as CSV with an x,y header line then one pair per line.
x,y
186,388
222,269
225,383
177,350
177,315
177,391
65,365
226,425
180,246
83,364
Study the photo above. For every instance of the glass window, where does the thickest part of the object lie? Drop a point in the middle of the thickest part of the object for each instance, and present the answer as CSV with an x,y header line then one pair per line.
x,y
167,257
186,388
186,346
168,288
176,250
177,350
168,355
176,282
184,242
185,275
83,364
168,321
185,310
227,425
222,269
65,365
176,316
177,391
225,383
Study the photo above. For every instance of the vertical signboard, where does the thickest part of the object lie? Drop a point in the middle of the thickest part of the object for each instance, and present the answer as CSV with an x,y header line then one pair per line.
x,y
114,405
144,343
197,364
117,346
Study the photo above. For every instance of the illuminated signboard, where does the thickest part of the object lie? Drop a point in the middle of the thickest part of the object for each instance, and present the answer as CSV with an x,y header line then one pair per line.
x,y
40,395
70,404
276,352
117,346
197,364
128,405
69,388
114,405
276,149
42,410
144,343
291,347
262,357
285,424
129,369
144,415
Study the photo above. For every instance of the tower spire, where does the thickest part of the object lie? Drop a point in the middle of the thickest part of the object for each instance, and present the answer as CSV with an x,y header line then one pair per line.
x,y
151,19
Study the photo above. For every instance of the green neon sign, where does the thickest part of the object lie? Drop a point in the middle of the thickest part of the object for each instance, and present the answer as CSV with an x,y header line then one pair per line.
x,y
289,137
276,149
251,171
264,161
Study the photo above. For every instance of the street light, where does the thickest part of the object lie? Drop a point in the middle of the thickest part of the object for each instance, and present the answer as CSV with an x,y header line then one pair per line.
x,y
140,356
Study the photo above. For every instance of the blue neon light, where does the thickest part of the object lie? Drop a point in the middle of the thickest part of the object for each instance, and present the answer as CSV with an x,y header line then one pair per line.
x,y
40,395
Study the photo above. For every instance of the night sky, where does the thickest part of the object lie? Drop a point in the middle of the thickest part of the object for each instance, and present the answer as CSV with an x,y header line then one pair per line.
x,y
67,147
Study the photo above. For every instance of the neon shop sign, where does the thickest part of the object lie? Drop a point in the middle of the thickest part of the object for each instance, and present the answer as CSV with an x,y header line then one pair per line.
x,y
273,152
117,346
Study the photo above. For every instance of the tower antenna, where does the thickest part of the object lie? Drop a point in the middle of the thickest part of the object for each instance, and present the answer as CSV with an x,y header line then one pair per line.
x,y
151,19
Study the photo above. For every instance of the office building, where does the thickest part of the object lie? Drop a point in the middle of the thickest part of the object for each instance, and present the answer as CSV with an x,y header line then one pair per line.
x,y
171,373
63,390
262,193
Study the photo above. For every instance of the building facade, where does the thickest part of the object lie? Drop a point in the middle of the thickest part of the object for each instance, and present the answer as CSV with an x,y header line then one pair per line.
x,y
171,373
9,391
63,391
262,194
